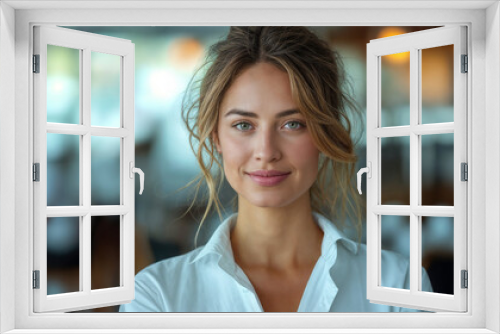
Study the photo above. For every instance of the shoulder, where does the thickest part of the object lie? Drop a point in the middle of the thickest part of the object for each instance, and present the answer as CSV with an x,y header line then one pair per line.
x,y
158,269
159,283
394,266
349,272
393,259
395,270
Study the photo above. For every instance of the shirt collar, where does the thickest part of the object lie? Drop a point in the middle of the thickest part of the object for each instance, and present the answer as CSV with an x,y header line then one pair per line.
x,y
220,243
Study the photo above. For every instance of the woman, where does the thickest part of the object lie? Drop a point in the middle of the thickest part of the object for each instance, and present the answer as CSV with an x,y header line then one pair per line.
x,y
271,108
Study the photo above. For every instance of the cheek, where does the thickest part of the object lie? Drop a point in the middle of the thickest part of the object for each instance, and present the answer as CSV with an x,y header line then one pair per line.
x,y
306,155
235,152
306,159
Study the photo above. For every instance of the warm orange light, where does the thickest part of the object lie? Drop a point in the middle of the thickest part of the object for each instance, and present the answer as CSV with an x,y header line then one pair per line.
x,y
391,31
185,53
437,76
396,58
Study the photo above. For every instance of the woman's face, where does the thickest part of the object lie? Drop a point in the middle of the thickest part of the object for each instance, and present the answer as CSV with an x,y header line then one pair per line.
x,y
260,129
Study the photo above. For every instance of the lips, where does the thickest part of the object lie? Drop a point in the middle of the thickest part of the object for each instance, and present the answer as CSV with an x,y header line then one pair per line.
x,y
268,178
268,173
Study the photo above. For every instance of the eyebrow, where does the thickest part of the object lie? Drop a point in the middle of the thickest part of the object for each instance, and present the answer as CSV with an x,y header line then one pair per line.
x,y
254,115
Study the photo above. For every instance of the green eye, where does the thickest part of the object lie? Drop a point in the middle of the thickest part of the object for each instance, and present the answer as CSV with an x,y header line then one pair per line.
x,y
242,126
295,125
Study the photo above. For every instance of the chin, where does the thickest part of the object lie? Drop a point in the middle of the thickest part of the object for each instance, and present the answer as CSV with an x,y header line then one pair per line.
x,y
269,202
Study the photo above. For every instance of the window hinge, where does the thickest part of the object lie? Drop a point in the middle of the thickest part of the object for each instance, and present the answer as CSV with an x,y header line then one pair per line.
x,y
465,64
465,171
465,279
36,279
36,172
36,63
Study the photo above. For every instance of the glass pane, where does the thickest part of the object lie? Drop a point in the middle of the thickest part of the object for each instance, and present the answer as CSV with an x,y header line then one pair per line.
x,y
63,169
437,253
105,89
63,85
437,84
395,87
395,187
105,252
63,255
437,169
105,170
395,232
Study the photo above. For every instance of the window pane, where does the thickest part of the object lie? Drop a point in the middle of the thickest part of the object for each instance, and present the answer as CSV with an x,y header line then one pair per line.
x,y
63,255
395,157
437,252
63,169
395,239
105,252
395,87
437,84
105,170
105,89
63,85
437,169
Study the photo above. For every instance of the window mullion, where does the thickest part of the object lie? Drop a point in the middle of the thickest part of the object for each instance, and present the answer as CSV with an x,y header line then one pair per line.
x,y
434,129
85,167
414,167
418,191
420,129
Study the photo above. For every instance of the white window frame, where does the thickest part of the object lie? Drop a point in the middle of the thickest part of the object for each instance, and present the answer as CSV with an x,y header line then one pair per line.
x,y
16,126
124,52
415,43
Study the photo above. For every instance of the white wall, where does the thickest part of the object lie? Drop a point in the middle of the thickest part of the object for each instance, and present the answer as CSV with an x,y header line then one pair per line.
x,y
492,164
7,160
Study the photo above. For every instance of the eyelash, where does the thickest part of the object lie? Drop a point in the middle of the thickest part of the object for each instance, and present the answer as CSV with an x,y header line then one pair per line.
x,y
300,123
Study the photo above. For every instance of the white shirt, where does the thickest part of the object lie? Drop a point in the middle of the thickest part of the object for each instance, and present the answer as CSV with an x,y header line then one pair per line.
x,y
207,279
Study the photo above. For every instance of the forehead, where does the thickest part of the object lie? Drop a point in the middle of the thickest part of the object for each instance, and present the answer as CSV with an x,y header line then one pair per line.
x,y
259,88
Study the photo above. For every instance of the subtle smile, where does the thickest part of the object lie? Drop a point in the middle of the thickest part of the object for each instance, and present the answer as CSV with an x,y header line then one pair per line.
x,y
268,179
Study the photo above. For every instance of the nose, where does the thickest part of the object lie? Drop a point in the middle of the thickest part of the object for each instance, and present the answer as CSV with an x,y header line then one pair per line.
x,y
267,146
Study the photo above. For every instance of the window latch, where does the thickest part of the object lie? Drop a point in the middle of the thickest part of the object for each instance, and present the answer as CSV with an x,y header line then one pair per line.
x,y
368,171
133,170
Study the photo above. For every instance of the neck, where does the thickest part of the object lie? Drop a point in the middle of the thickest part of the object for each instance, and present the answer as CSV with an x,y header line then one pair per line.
x,y
276,238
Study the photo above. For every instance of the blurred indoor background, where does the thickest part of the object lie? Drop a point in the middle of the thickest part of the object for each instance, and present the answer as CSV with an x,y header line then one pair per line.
x,y
165,60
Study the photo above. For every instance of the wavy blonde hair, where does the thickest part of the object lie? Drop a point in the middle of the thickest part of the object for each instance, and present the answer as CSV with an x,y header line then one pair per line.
x,y
318,85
